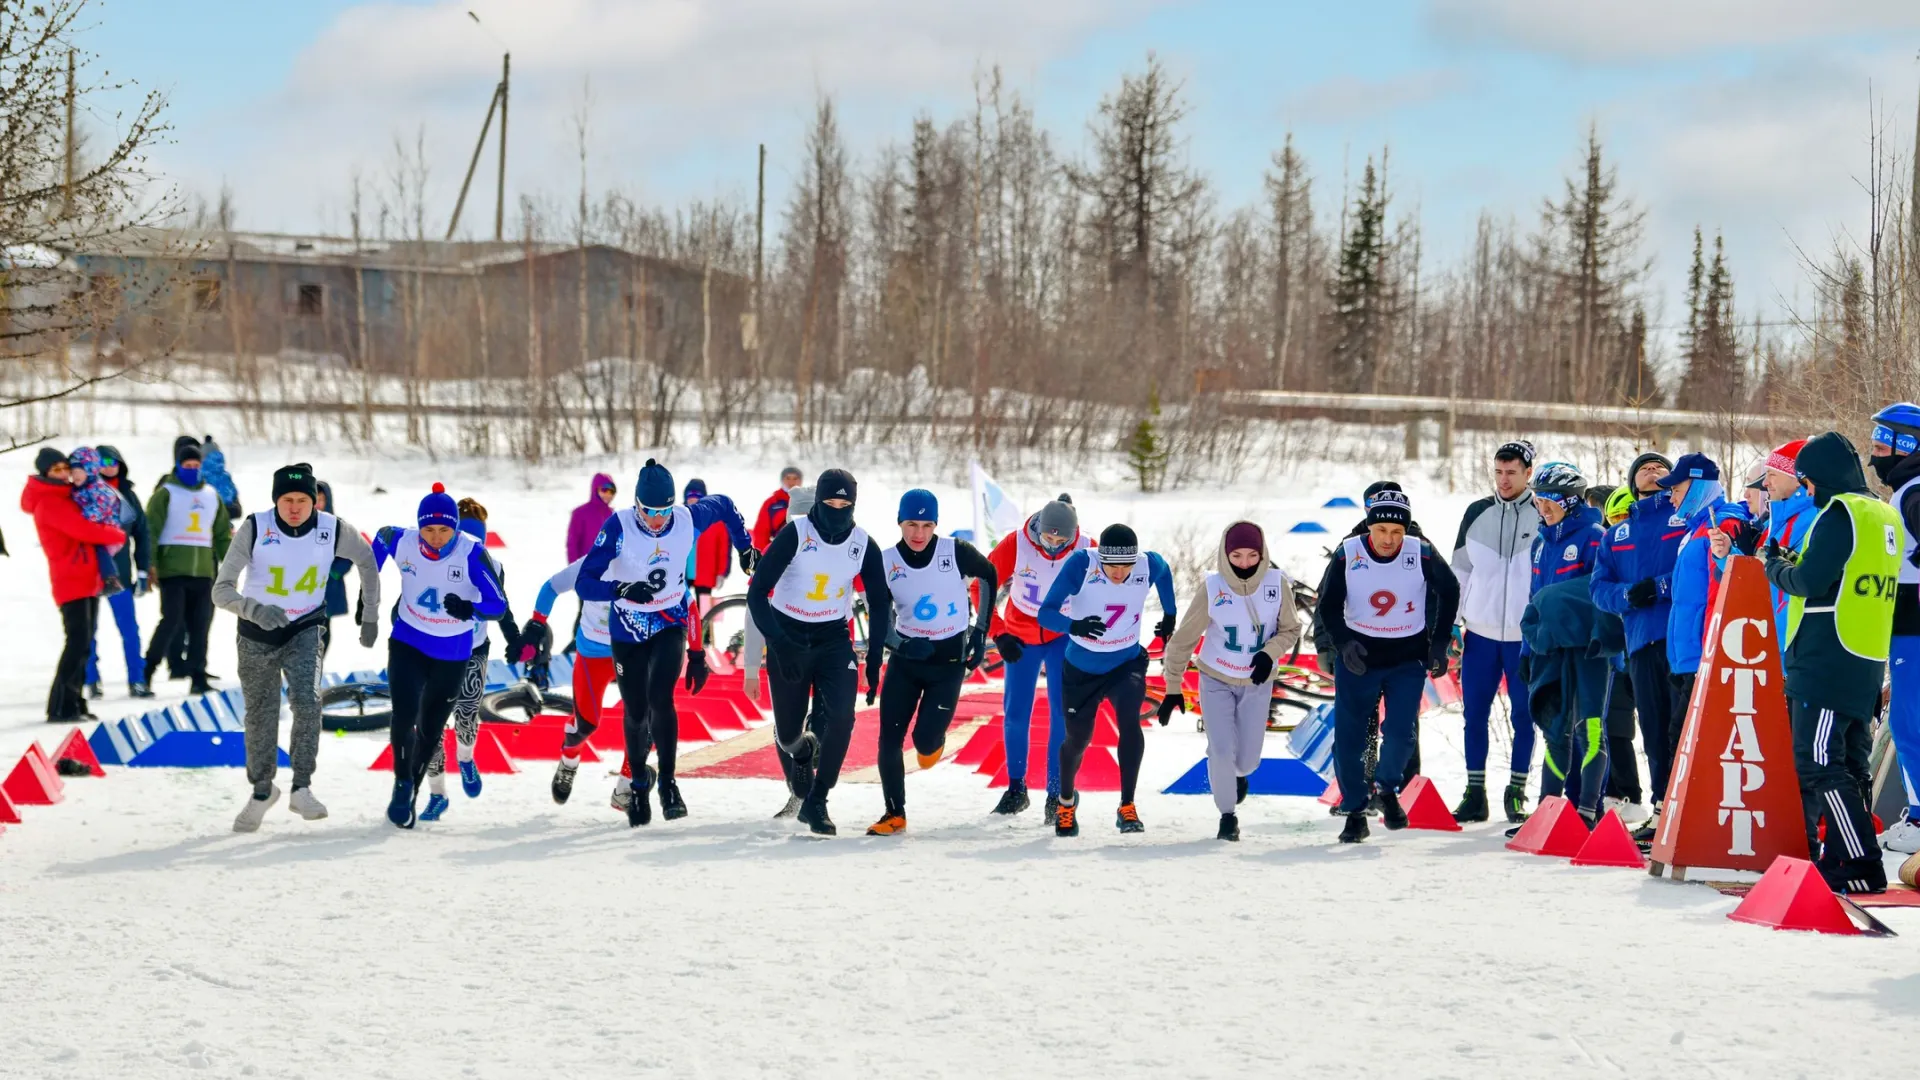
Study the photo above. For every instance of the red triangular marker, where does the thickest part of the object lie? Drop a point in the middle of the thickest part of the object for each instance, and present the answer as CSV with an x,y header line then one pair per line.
x,y
986,735
1791,895
1425,808
76,748
32,781
1554,829
1331,796
994,762
8,815
1610,845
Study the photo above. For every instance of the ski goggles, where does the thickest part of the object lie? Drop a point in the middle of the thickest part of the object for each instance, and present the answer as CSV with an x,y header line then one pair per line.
x,y
655,511
1902,442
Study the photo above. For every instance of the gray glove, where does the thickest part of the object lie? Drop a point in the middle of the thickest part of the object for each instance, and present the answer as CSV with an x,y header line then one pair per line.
x,y
369,633
266,616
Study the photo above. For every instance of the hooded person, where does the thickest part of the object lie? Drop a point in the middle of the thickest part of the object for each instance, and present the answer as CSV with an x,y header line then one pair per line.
x,y
132,564
937,640
100,504
1099,600
1242,620
273,579
587,518
801,597
1896,461
68,539
1027,561
447,587
191,533
1388,601
642,562
466,708
213,466
1838,638
712,553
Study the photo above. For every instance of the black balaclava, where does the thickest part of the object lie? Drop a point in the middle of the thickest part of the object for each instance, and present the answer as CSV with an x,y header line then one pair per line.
x,y
835,524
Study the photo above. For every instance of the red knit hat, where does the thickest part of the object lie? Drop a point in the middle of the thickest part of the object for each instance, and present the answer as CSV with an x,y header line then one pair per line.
x,y
1783,457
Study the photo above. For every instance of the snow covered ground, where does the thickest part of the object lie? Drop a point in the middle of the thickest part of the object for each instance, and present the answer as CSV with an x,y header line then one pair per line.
x,y
140,937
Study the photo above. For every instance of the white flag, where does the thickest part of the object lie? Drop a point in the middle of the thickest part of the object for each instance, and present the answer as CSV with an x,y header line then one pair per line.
x,y
994,511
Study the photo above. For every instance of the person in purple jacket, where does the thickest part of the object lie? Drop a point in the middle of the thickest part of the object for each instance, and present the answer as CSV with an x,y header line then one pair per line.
x,y
446,585
587,518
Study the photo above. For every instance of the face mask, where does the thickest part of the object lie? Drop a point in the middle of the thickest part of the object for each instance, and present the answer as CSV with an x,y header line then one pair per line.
x,y
1882,466
834,522
188,476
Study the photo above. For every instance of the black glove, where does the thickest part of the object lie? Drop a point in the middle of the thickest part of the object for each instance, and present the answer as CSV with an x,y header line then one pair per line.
x,y
1010,648
1262,668
1174,700
976,648
1327,664
510,631
696,670
1643,593
1088,626
636,592
1773,549
1437,663
914,648
458,606
1164,628
1526,667
536,641
749,558
873,674
1353,656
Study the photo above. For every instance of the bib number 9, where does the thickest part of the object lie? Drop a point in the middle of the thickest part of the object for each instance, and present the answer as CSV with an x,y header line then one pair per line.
x,y
1384,602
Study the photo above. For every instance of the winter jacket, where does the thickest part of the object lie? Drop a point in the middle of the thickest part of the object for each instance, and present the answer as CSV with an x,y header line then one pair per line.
x,y
1442,602
213,470
1697,574
137,553
1195,617
1492,558
1566,551
1906,603
96,498
587,518
1788,523
337,577
1073,575
1820,670
1567,672
712,557
1638,549
773,518
67,537
178,560
1008,619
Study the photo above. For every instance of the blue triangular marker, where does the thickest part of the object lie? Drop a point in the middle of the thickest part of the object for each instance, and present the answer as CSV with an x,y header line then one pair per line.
x,y
1340,502
1308,527
1275,776
198,750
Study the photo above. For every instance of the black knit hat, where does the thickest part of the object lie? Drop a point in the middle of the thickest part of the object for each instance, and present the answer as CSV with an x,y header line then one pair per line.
x,y
46,459
836,484
294,479
1118,544
187,448
1389,508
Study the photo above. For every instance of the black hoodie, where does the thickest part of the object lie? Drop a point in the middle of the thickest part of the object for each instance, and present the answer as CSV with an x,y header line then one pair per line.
x,y
1820,671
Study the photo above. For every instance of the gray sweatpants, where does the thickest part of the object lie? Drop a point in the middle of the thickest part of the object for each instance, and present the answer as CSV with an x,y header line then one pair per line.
x,y
261,670
1236,732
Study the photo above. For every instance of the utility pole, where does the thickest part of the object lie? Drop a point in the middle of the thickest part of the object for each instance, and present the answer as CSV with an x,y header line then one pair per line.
x,y
500,195
759,237
67,190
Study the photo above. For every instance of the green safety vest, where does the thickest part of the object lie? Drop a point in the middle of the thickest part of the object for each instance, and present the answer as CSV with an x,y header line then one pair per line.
x,y
1863,607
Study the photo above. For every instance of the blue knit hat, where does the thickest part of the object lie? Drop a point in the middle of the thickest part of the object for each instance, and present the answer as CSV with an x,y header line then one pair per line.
x,y
439,509
919,505
696,489
655,487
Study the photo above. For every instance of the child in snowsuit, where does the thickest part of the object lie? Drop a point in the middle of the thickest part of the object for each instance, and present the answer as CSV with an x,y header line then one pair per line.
x,y
100,504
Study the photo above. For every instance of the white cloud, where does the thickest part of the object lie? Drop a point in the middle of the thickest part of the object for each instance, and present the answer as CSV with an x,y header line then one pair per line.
x,y
1626,30
1347,98
673,82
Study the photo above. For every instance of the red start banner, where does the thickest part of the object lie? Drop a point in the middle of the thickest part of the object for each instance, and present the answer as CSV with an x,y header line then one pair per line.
x,y
1733,800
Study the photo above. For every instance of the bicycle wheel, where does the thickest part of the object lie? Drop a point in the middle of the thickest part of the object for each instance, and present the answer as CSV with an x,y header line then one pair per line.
x,y
521,702
356,707
723,630
1304,682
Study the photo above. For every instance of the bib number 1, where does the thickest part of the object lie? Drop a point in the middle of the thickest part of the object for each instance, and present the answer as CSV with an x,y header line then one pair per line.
x,y
819,590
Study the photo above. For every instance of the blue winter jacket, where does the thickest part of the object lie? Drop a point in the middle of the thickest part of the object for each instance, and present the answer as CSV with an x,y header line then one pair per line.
x,y
1567,551
1788,523
1641,547
1696,578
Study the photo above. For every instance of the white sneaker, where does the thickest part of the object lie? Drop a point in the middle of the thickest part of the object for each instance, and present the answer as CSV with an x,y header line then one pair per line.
x,y
1631,813
622,794
255,811
304,804
1902,836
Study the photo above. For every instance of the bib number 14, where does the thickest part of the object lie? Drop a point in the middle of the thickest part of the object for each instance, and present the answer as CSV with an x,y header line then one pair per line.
x,y
309,582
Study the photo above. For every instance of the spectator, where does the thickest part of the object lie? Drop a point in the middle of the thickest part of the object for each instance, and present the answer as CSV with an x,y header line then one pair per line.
x,y
1492,560
589,516
712,552
131,564
213,466
1624,794
1567,677
1694,489
773,512
191,532
68,538
336,577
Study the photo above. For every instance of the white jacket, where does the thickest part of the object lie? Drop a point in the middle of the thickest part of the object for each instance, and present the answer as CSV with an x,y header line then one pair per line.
x,y
1493,558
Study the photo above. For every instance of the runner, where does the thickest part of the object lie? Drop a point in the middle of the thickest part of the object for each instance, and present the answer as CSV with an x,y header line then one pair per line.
x,y
466,711
446,586
933,649
1245,609
1101,607
642,562
801,595
1388,628
286,555
592,669
712,553
1027,562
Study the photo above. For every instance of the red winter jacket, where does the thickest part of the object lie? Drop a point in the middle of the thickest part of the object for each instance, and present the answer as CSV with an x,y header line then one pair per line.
x,y
773,518
68,538
712,556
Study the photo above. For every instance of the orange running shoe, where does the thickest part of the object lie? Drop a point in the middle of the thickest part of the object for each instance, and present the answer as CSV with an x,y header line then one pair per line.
x,y
890,825
1066,822
1128,819
928,761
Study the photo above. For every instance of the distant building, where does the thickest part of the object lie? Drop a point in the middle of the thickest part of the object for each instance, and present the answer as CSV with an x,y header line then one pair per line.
x,y
438,309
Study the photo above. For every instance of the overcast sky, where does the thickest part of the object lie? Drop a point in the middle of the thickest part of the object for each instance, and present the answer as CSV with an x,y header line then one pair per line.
x,y
1749,116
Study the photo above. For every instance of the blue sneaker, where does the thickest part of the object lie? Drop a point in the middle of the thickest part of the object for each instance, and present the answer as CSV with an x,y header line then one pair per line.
x,y
470,779
400,807
436,805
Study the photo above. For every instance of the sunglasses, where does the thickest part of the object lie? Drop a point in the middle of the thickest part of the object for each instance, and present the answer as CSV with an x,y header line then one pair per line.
x,y
1902,442
656,511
